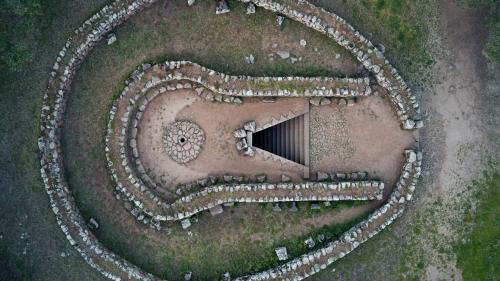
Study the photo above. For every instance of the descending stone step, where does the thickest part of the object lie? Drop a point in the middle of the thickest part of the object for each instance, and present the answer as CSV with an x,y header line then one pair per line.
x,y
285,139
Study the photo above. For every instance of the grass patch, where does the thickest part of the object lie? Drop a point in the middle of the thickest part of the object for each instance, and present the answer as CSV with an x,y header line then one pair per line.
x,y
479,256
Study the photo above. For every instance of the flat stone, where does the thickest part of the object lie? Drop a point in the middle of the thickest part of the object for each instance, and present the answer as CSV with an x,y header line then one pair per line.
x,y
325,101
282,254
283,54
186,223
111,38
240,133
310,243
216,210
250,8
250,126
322,176
221,7
260,178
315,101
276,207
315,206
285,178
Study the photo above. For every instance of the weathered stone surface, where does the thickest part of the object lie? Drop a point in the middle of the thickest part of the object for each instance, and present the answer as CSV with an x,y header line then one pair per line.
x,y
283,54
322,176
282,254
240,133
222,7
285,178
186,223
315,101
310,243
111,38
276,207
250,59
216,210
250,126
303,43
325,101
250,8
315,206
183,141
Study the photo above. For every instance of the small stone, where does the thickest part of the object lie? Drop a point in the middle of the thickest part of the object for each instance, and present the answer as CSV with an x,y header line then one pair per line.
x,y
209,96
285,178
226,277
250,126
294,59
281,253
228,178
276,207
240,133
250,59
280,20
186,223
321,238
303,43
322,176
350,102
315,101
216,210
337,56
187,276
250,8
294,208
327,203
381,48
221,7
260,178
111,38
283,54
310,243
249,151
191,2
342,102
325,101
315,206
93,223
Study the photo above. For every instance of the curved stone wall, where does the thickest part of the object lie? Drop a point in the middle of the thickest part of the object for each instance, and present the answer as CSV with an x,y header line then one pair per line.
x,y
84,39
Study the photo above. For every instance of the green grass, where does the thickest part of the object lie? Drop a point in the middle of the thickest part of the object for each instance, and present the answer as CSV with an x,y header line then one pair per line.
x,y
402,26
479,256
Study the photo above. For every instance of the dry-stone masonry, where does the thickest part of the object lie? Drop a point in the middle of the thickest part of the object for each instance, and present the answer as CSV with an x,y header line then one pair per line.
x,y
183,141
81,42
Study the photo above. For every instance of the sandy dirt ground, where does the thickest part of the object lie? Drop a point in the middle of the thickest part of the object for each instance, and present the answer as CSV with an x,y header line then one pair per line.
x,y
364,137
218,121
369,129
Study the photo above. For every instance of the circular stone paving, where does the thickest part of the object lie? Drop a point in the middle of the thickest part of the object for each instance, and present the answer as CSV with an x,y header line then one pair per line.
x,y
183,141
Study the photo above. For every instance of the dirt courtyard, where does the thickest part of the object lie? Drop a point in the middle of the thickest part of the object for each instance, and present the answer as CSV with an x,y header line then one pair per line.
x,y
364,136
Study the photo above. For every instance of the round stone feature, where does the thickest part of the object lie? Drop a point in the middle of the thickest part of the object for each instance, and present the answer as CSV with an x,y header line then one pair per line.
x,y
183,141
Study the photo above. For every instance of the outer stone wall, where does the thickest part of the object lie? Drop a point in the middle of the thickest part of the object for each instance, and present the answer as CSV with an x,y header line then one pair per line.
x,y
84,39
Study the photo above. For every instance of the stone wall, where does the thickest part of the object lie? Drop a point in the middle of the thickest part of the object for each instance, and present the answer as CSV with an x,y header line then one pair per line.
x,y
335,27
84,39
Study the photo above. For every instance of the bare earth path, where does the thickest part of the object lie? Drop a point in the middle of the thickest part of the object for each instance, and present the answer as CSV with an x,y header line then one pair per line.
x,y
454,137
